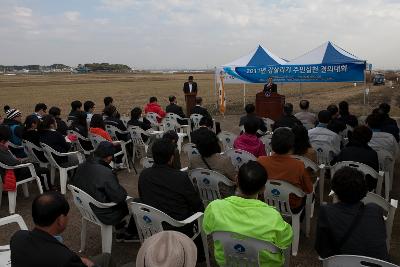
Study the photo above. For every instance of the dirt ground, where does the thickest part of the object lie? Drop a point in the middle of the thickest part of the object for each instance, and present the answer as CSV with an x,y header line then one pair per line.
x,y
56,91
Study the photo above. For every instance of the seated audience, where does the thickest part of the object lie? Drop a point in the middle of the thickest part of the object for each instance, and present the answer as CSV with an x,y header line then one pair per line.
x,y
174,108
288,119
199,109
153,106
307,118
89,108
136,114
345,116
250,113
112,118
108,100
249,141
350,227
62,127
76,107
96,178
172,137
179,251
170,190
50,216
14,122
40,110
322,134
211,158
31,134
335,124
381,140
389,125
281,166
246,215
80,126
98,127
204,124
302,146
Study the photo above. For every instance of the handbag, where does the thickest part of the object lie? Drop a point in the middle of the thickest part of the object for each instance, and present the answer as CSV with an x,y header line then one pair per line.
x,y
9,181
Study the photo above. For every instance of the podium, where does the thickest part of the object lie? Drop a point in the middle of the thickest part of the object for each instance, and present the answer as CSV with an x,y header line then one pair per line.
x,y
269,106
190,99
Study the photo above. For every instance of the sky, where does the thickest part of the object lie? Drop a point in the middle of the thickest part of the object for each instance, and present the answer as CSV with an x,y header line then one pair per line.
x,y
155,34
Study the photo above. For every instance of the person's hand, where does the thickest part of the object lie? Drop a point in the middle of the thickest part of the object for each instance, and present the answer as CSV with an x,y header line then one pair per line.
x,y
87,262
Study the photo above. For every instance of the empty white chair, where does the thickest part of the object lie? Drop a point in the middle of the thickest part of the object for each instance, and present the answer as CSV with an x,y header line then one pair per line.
x,y
390,210
12,195
240,250
5,252
207,183
147,162
239,157
227,139
276,194
190,150
49,152
365,169
153,118
266,139
386,164
355,261
195,119
82,201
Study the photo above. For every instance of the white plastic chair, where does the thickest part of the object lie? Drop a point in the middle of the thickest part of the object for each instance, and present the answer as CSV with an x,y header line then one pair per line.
x,y
390,210
136,136
325,152
181,128
78,144
153,118
227,139
240,250
207,183
266,140
49,152
365,169
125,120
147,162
310,201
190,150
276,194
386,164
15,147
82,201
268,122
355,261
239,157
195,119
149,221
114,131
12,195
5,252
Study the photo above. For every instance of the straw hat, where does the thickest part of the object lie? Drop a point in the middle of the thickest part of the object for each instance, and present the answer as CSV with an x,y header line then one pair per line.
x,y
167,249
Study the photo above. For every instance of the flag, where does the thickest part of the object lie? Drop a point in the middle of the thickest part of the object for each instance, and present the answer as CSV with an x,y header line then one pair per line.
x,y
221,94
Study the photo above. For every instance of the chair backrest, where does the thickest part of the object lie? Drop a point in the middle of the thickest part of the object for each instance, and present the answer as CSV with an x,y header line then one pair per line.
x,y
268,122
239,157
227,139
153,117
96,139
149,220
136,135
173,116
169,124
147,162
325,152
190,150
277,193
195,119
125,120
207,183
113,130
80,139
82,201
30,149
355,261
48,152
308,163
242,250
5,252
266,139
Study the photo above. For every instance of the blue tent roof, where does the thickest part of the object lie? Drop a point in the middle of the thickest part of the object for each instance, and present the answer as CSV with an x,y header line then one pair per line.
x,y
259,57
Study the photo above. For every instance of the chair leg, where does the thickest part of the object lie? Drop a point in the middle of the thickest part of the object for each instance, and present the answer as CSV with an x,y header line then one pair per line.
x,y
205,242
321,186
39,183
106,238
46,184
12,201
63,180
296,233
52,174
83,234
25,190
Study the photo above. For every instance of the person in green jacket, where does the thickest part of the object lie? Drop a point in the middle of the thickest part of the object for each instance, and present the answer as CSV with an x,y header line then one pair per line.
x,y
244,214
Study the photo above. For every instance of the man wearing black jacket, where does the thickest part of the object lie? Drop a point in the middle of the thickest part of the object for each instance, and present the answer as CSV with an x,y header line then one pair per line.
x,y
174,108
190,86
96,178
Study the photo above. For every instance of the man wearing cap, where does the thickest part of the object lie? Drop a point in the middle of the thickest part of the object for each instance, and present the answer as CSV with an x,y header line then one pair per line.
x,y
96,178
14,122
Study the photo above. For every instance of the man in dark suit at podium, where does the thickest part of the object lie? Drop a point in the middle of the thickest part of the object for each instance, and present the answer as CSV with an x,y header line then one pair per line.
x,y
190,86
270,87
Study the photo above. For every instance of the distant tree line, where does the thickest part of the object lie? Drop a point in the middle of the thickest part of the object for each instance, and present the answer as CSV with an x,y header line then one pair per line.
x,y
105,67
88,67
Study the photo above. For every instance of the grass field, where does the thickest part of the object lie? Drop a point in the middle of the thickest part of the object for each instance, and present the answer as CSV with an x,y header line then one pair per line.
x,y
129,90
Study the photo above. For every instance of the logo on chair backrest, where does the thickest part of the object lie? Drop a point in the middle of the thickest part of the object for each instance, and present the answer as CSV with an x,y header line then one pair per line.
x,y
275,192
194,152
239,248
79,200
146,219
206,181
238,159
227,139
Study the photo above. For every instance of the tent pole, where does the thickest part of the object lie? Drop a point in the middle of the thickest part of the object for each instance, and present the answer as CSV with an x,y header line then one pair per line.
x,y
244,94
215,88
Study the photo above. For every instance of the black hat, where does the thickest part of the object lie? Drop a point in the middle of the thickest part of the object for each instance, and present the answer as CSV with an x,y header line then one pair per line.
x,y
105,149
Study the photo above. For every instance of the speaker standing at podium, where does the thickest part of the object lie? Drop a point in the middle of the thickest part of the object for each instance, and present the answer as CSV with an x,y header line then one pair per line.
x,y
190,86
270,87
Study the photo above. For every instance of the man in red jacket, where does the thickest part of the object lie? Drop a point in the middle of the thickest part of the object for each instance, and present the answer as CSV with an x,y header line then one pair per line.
x,y
153,106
